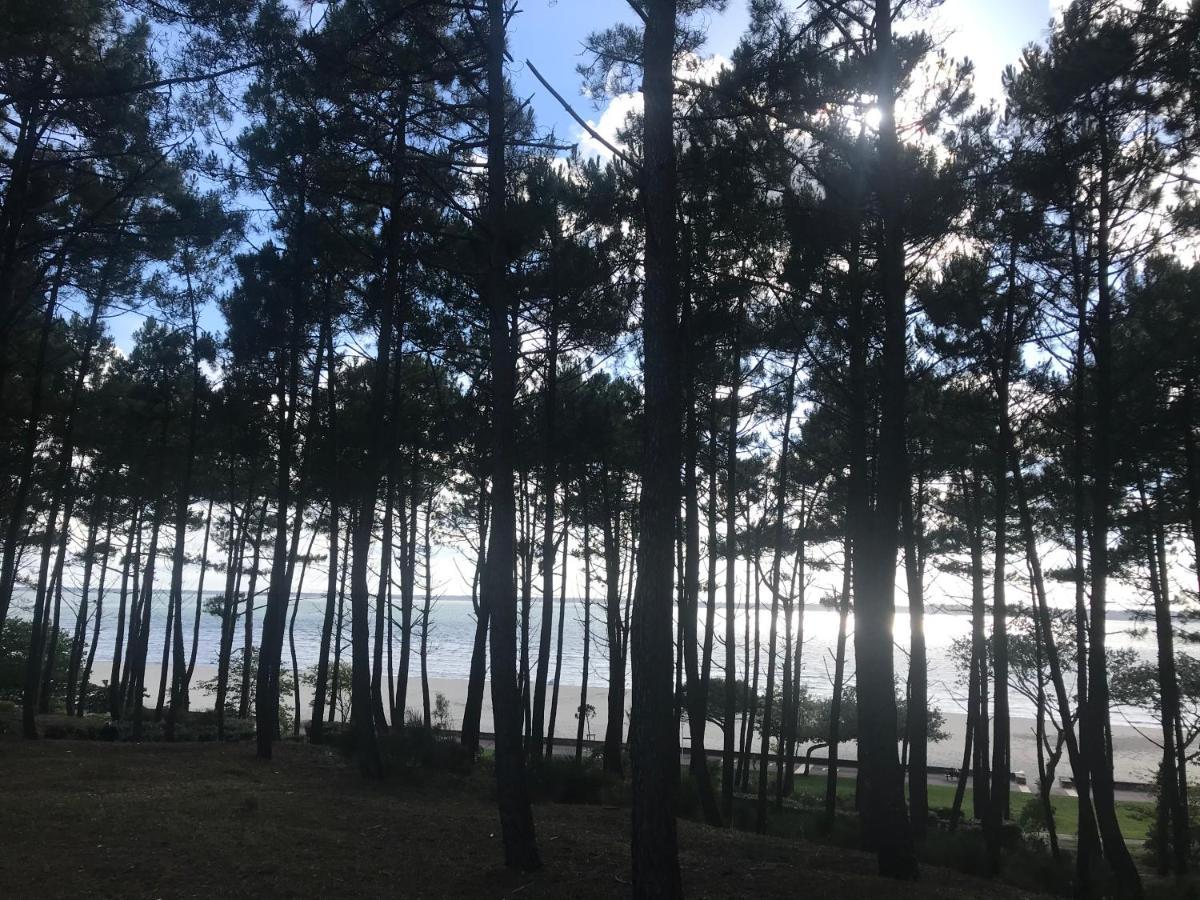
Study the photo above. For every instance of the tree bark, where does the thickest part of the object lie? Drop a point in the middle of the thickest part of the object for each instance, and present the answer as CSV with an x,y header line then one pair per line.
x,y
654,737
498,588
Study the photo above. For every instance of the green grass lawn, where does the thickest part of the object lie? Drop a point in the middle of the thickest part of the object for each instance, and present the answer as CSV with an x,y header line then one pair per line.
x,y
1134,817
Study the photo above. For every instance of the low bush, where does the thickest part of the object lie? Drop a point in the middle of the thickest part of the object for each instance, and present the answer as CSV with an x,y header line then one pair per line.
x,y
191,726
416,746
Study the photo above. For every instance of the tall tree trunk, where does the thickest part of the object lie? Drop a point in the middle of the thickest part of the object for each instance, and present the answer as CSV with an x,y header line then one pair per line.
x,y
394,292
998,808
887,827
781,491
981,792
1170,809
426,609
383,611
475,685
298,714
18,513
562,612
549,490
1045,772
79,635
582,713
731,706
114,678
697,687
1088,837
654,733
86,677
747,748
839,679
792,674
516,816
408,585
191,664
917,730
183,500
320,693
614,629
138,677
335,685
1095,730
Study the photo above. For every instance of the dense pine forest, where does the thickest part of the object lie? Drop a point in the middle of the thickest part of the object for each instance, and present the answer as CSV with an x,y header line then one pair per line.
x,y
304,314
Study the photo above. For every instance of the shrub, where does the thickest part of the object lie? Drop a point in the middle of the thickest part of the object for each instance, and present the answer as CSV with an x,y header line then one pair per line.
x,y
563,780
416,746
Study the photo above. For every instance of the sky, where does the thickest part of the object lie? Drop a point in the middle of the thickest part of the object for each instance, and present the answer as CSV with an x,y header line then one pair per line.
x,y
551,34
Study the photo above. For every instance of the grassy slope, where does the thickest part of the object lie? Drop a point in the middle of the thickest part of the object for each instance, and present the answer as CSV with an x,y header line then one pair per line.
x,y
1135,818
100,819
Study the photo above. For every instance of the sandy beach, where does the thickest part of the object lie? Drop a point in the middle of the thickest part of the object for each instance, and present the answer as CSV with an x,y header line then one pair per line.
x,y
1136,756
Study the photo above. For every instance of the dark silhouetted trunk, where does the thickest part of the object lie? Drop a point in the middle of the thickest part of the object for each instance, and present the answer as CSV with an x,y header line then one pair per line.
x,y
654,732
728,775
885,818
476,683
839,679
562,612
697,687
764,762
498,588
917,729
549,491
614,628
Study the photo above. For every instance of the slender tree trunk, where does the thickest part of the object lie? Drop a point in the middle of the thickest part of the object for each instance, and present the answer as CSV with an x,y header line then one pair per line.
x,y
86,677
1088,838
320,692
1095,729
114,678
516,816
138,678
792,675
998,807
747,749
426,609
79,635
981,792
727,761
549,490
292,636
582,714
191,665
383,612
562,612
917,731
475,685
408,586
839,679
781,491
335,685
1175,816
887,828
165,667
654,733
1045,776
18,513
697,687
614,629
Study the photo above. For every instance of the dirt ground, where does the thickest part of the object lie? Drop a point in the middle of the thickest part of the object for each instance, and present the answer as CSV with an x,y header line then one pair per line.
x,y
93,819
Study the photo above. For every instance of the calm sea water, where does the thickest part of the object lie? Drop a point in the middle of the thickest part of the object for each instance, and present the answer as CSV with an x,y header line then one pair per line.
x,y
452,631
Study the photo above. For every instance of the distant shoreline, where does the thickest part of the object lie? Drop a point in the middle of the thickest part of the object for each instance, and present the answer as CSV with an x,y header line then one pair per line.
x,y
1135,757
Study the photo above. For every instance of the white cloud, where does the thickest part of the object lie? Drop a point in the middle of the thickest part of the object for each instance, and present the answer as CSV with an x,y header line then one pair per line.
x,y
622,106
612,119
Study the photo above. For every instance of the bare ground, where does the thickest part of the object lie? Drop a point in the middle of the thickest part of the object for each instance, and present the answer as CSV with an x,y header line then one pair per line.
x,y
93,819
